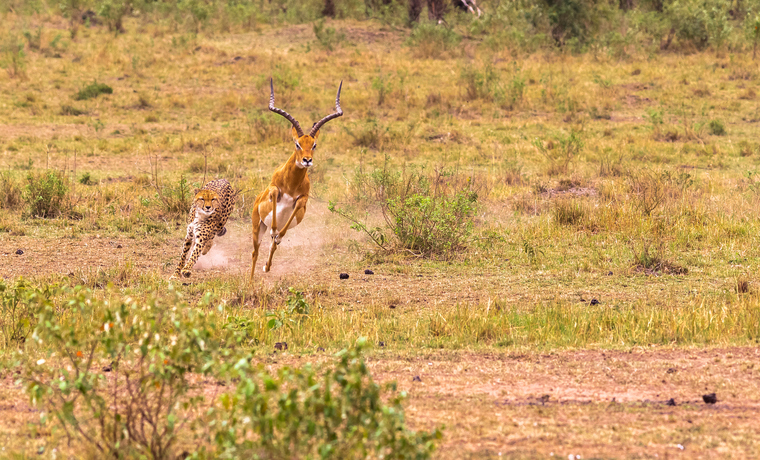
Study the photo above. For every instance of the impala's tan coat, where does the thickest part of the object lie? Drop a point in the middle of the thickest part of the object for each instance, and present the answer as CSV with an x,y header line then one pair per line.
x,y
282,205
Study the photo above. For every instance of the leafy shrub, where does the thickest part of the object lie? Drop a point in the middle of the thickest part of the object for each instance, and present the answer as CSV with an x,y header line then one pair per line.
x,y
717,128
10,192
18,306
13,57
300,413
113,12
115,376
92,90
700,22
432,41
426,215
560,151
174,201
118,378
327,37
45,193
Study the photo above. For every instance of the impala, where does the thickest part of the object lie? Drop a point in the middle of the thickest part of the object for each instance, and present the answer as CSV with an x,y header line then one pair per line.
x,y
285,198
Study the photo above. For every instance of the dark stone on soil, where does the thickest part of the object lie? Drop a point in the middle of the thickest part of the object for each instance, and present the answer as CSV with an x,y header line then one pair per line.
x,y
672,370
368,272
108,368
594,302
381,344
118,246
710,398
671,402
281,346
392,306
609,273
416,379
320,349
344,276
19,252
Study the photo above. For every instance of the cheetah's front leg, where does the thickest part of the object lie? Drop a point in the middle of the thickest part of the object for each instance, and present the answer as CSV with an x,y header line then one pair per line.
x,y
200,242
185,250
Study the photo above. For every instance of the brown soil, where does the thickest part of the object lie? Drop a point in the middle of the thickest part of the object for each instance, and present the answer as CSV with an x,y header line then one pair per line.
x,y
596,404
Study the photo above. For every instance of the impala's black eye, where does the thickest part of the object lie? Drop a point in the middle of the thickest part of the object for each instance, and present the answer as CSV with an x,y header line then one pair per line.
x,y
314,147
298,146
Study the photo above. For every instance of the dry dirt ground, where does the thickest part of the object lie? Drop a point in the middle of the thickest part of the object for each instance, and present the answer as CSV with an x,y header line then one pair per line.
x,y
591,404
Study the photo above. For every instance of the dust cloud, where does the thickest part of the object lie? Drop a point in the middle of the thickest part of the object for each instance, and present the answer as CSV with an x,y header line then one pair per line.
x,y
302,249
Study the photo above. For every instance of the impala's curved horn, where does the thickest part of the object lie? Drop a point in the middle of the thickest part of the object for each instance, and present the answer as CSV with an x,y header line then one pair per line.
x,y
338,113
285,114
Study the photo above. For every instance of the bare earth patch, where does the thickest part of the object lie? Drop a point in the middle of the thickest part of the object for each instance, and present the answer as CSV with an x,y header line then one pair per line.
x,y
596,404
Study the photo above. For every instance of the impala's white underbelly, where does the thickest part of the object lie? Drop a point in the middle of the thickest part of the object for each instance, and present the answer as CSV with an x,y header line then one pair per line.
x,y
284,210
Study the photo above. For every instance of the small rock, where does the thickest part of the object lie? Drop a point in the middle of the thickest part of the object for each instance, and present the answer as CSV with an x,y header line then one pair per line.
x,y
671,402
320,349
368,272
118,246
609,273
710,398
108,368
344,276
281,346
594,302
416,379
19,252
381,344
392,307
672,370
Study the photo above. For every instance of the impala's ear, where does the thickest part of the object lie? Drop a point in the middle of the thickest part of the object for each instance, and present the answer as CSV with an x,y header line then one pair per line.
x,y
294,131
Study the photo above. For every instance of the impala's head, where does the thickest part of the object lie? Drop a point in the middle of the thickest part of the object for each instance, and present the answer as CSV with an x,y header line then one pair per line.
x,y
305,143
206,202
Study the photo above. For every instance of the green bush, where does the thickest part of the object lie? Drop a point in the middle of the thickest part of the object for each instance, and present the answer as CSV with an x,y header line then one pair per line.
x,y
92,90
19,303
302,413
118,378
426,215
45,193
114,376
700,22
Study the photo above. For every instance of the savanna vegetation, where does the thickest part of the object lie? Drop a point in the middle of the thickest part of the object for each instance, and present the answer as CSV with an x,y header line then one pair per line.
x,y
548,214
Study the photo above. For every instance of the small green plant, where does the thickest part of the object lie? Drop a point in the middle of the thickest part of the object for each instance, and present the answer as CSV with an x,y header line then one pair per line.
x,y
717,128
45,193
113,12
19,303
569,212
297,309
561,151
301,413
86,179
93,90
383,85
327,37
13,57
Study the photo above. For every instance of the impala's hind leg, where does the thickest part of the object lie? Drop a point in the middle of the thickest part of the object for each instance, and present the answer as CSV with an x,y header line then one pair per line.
x,y
258,232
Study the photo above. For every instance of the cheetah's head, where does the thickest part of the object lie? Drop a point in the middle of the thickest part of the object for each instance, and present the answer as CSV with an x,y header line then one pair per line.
x,y
206,202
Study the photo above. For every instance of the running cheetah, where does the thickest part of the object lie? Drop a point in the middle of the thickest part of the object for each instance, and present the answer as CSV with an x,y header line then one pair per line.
x,y
211,207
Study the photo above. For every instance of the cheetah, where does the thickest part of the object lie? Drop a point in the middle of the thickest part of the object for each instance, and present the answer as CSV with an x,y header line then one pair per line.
x,y
211,207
